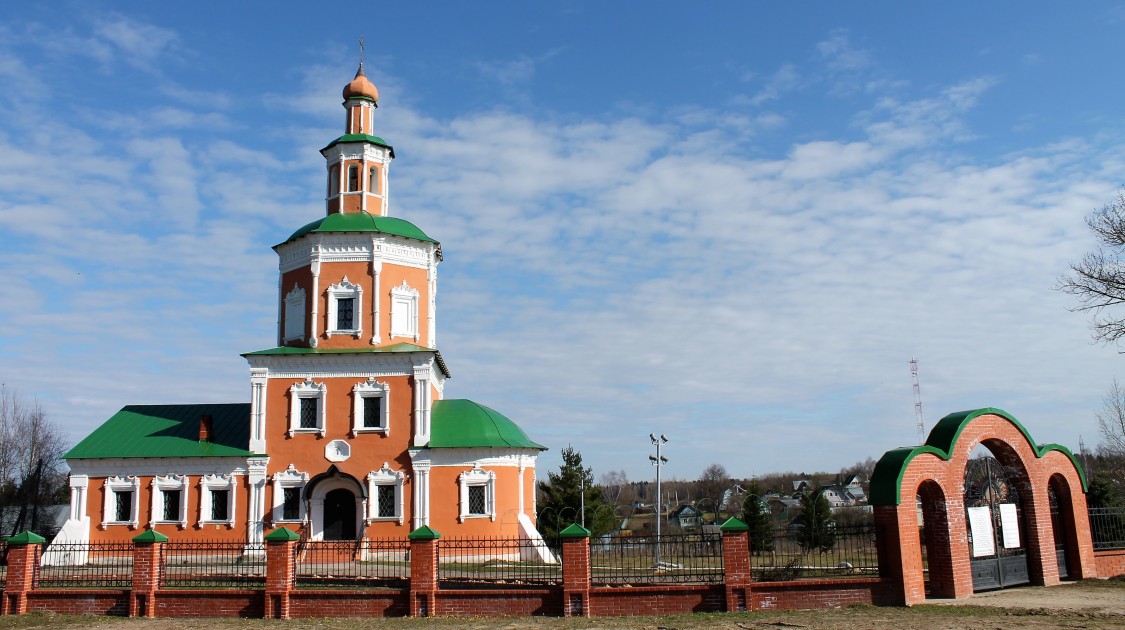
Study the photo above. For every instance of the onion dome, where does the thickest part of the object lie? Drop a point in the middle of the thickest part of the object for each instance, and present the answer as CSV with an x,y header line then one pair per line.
x,y
361,87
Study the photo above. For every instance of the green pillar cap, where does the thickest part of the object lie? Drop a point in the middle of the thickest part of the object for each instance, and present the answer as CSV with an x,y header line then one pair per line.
x,y
734,524
26,538
282,534
150,536
574,530
424,532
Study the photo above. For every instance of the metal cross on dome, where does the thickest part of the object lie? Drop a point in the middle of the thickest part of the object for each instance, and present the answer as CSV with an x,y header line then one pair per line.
x,y
361,51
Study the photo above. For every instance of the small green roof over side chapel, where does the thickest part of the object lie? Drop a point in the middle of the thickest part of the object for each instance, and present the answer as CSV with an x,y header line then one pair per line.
x,y
169,431
458,423
361,222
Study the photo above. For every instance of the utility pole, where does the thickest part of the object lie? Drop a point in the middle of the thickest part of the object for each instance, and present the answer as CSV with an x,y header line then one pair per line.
x,y
917,400
582,499
658,461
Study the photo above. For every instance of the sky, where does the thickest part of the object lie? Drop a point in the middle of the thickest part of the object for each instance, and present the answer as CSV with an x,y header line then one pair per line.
x,y
732,225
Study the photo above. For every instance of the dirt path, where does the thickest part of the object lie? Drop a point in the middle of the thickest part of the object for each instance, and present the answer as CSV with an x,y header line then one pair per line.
x,y
1080,597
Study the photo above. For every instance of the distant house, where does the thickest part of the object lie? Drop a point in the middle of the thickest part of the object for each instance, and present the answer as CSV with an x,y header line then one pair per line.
x,y
686,516
836,496
854,486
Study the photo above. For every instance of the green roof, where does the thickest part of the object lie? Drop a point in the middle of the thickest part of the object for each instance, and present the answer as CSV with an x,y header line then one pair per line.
x,y
169,431
886,480
397,348
466,424
361,222
359,137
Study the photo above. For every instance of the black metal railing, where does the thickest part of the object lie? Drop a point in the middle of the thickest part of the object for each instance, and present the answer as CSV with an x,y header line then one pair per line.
x,y
214,565
369,562
669,559
85,565
3,563
485,561
1107,528
835,551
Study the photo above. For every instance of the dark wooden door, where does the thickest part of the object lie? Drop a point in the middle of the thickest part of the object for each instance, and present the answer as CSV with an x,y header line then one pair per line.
x,y
339,515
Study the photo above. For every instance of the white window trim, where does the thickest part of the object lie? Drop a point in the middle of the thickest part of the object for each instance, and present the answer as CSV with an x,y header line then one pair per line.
x,y
294,325
209,484
478,477
307,389
288,478
112,486
404,296
158,486
370,389
384,477
345,289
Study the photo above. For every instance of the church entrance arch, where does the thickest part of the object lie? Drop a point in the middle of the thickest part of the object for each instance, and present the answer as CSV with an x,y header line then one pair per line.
x,y
336,503
964,506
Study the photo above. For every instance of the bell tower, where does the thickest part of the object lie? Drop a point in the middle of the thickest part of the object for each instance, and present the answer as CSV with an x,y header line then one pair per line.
x,y
358,161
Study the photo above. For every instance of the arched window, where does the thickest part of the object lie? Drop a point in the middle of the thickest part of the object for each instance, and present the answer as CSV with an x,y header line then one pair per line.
x,y
333,181
353,178
373,180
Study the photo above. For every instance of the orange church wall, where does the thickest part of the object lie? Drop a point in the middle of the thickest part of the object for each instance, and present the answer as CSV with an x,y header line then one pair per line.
x,y
95,501
392,276
445,506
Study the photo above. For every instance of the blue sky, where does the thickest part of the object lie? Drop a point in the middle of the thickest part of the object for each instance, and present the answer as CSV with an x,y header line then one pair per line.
x,y
733,226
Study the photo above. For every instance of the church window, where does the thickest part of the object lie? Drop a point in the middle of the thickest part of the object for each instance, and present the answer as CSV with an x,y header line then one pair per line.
x,y
120,507
478,493
345,303
384,486
306,407
369,410
123,507
333,181
287,488
404,311
291,504
169,494
353,178
216,506
345,314
294,314
373,180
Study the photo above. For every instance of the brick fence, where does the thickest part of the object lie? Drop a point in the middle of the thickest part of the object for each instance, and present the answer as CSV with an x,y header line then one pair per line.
x,y
577,595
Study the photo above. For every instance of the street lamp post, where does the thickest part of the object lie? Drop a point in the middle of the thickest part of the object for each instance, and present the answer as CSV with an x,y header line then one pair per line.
x,y
658,460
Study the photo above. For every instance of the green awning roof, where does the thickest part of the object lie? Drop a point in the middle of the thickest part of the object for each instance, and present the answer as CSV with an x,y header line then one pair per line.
x,y
398,348
169,431
466,424
361,222
359,137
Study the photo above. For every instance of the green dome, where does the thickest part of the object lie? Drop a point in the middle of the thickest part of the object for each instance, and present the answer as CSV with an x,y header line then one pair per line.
x,y
466,424
362,222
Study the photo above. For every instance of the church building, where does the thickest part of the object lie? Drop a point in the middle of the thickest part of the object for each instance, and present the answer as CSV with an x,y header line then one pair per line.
x,y
347,433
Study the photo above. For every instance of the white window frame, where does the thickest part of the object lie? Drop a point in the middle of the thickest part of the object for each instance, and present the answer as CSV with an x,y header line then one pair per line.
x,y
295,305
159,485
385,477
478,477
288,478
345,289
208,484
404,298
370,389
307,389
116,484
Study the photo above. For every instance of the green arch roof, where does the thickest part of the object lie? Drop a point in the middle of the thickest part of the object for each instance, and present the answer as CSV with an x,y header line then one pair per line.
x,y
459,423
886,480
361,222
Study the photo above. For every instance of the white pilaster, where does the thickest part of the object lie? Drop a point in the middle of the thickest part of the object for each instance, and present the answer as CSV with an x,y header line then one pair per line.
x,y
314,268
259,377
256,503
422,402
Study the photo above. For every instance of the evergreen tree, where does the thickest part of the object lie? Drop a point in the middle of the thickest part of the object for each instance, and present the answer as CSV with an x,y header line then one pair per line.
x,y
562,493
757,516
818,532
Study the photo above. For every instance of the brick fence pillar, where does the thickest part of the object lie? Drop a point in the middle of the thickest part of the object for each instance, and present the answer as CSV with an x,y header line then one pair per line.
x,y
576,570
423,571
23,562
736,564
148,561
281,571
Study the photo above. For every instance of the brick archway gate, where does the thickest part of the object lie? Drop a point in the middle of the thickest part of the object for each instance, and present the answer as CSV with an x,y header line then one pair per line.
x,y
934,475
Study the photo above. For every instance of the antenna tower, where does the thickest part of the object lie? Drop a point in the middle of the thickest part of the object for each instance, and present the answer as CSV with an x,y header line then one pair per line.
x,y
917,400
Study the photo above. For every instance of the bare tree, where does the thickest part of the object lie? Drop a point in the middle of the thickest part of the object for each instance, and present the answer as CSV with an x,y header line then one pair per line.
x,y
1111,423
31,473
1099,280
615,486
713,482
